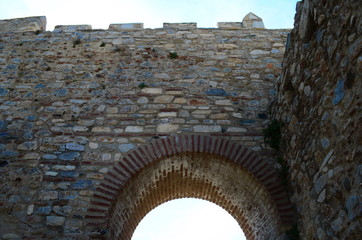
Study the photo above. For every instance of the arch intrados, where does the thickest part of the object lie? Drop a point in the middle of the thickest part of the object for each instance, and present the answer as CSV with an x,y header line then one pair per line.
x,y
106,194
197,175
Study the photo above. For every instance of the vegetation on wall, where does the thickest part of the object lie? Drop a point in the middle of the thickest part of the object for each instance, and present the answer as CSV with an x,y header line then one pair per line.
x,y
173,55
76,42
273,137
142,85
293,233
272,134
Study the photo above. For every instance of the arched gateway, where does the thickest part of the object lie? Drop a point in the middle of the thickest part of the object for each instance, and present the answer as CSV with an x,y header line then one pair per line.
x,y
204,167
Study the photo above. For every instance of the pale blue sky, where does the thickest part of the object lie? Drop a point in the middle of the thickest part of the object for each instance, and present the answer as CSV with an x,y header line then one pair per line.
x,y
101,13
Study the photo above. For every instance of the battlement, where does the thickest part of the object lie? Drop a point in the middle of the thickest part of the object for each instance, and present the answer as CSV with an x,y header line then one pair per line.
x,y
32,24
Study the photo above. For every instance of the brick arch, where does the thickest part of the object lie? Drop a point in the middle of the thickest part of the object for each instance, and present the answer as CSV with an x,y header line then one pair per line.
x,y
122,189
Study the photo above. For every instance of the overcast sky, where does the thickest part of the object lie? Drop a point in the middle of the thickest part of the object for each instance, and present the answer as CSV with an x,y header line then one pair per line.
x,y
101,13
164,222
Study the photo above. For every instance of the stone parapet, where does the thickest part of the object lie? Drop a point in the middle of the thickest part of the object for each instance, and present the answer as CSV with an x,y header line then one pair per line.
x,y
72,28
32,24
29,24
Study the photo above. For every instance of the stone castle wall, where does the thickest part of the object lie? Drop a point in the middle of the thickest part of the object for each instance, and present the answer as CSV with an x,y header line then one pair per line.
x,y
75,101
319,102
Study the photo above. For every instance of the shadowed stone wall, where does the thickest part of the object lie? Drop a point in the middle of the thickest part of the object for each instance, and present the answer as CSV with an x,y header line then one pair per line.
x,y
319,102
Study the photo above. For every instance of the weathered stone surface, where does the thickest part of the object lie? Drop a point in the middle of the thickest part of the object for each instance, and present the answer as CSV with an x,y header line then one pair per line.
x,y
101,129
252,21
318,99
207,129
55,221
126,147
223,102
69,156
48,195
125,26
152,90
30,209
23,24
167,114
71,28
134,129
216,92
166,128
74,147
10,236
164,99
236,129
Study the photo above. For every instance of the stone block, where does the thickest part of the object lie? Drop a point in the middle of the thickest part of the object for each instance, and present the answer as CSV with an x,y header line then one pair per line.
x,y
64,167
3,93
338,92
252,21
180,100
259,52
230,25
216,92
9,154
225,102
101,129
72,28
30,210
126,147
33,145
82,184
166,128
74,147
164,99
55,221
152,90
11,236
134,129
23,24
49,156
207,128
71,156
48,195
236,129
125,26
180,26
44,210
166,114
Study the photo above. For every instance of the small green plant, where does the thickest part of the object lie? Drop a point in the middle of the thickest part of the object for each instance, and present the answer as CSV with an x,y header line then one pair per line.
x,y
272,134
293,233
118,49
173,55
283,171
142,85
76,42
103,44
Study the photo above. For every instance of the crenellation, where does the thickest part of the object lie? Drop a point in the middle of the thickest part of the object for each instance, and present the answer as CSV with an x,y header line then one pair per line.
x,y
33,24
125,26
29,24
72,28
